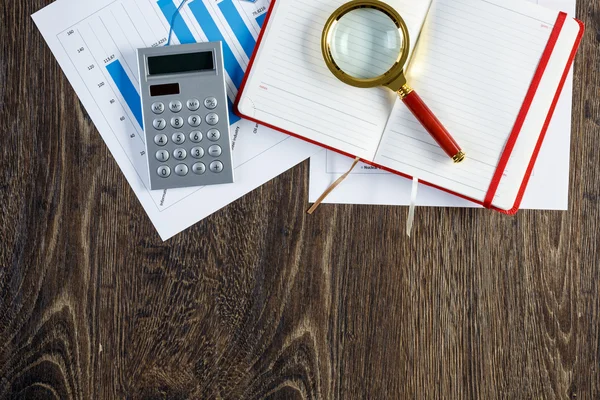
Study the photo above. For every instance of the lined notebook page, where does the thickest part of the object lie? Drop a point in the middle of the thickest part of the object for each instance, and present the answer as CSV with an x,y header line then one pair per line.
x,y
473,66
291,88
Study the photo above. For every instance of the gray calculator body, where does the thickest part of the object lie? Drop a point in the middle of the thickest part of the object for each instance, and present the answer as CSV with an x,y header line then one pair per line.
x,y
185,112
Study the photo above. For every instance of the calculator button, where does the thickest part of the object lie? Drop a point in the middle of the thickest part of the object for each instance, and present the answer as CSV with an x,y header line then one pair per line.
x,y
196,136
164,171
199,168
178,138
213,135
175,106
158,108
161,139
216,166
212,119
210,103
215,150
179,154
181,170
162,155
193,104
159,124
197,152
194,120
177,122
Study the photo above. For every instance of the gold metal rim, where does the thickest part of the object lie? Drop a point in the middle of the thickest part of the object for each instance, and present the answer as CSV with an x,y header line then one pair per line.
x,y
404,91
395,74
460,157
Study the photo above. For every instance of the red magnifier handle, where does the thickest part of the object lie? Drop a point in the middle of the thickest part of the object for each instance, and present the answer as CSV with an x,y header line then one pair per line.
x,y
433,125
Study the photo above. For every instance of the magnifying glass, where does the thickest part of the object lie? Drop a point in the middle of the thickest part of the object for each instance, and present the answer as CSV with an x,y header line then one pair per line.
x,y
366,44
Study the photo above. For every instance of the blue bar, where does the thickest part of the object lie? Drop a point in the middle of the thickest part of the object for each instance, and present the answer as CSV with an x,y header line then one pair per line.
x,y
241,31
261,19
181,30
233,117
128,91
235,72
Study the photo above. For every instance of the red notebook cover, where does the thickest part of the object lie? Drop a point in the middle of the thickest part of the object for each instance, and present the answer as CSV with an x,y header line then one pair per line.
x,y
512,138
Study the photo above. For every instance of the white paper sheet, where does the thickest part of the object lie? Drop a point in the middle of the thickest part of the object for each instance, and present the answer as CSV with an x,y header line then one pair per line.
x,y
547,189
87,36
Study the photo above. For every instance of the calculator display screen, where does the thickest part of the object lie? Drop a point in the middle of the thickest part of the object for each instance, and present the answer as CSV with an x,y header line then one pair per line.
x,y
180,63
164,90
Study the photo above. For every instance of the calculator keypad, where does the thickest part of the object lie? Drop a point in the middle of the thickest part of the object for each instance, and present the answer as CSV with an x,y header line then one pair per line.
x,y
179,138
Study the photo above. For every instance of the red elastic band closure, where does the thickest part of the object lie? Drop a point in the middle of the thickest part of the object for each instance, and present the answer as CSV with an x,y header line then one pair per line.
x,y
535,83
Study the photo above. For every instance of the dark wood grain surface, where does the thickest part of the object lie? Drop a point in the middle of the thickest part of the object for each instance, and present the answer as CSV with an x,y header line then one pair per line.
x,y
261,301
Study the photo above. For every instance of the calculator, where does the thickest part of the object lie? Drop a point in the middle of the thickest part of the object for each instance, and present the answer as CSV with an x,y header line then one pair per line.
x,y
186,116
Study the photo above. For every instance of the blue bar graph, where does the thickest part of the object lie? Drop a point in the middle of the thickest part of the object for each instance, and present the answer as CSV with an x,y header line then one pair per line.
x,y
240,29
181,30
128,91
233,117
261,19
206,22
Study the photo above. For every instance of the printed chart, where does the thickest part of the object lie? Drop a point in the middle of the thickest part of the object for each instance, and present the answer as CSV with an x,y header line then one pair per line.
x,y
111,40
236,23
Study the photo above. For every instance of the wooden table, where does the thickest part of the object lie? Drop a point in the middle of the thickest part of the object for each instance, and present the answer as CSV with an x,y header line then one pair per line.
x,y
263,301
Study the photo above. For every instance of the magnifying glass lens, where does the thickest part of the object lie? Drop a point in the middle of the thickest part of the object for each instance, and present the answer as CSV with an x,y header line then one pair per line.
x,y
365,43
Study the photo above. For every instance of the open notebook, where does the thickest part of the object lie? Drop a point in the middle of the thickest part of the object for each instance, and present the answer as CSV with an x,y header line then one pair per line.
x,y
491,71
